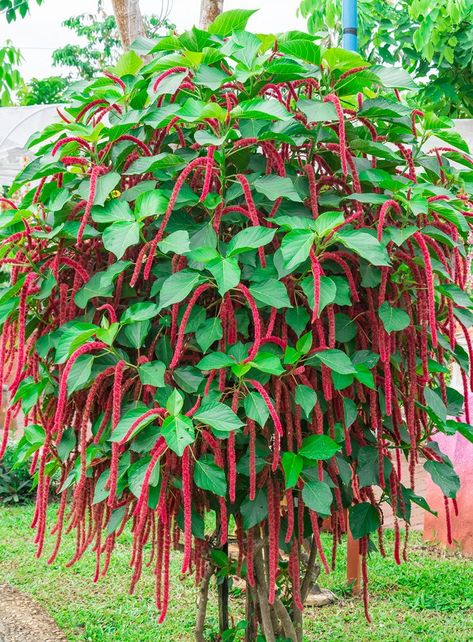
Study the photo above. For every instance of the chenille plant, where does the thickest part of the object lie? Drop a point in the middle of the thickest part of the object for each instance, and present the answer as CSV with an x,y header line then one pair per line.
x,y
236,287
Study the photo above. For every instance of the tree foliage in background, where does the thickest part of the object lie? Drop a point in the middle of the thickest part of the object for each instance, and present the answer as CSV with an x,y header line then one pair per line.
x,y
12,9
103,46
43,91
236,283
431,39
10,77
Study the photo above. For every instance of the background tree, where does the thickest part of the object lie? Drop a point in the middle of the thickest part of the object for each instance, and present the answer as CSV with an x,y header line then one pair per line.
x,y
43,91
10,77
12,9
432,40
209,10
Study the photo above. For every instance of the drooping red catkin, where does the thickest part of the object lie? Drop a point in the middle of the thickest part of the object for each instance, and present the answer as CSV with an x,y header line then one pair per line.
x,y
208,172
429,276
157,412
250,573
165,74
25,291
166,560
70,139
273,543
111,311
350,72
256,322
364,573
335,256
231,456
182,327
415,112
314,520
290,516
94,174
201,161
316,274
116,411
385,207
187,503
116,79
333,98
294,572
252,459
58,426
269,404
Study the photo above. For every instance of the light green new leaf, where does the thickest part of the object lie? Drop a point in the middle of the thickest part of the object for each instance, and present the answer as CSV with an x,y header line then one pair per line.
x,y
178,432
226,272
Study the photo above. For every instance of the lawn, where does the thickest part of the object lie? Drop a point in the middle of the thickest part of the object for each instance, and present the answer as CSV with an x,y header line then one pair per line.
x,y
430,598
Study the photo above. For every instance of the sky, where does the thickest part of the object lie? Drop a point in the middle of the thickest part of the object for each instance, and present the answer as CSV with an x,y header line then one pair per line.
x,y
41,31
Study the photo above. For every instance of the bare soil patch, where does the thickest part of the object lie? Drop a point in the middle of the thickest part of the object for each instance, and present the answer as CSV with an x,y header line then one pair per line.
x,y
23,620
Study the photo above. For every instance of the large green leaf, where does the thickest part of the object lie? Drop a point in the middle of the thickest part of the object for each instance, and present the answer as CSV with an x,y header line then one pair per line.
x,y
316,111
292,464
364,519
250,238
178,431
226,272
209,476
253,512
394,319
229,21
295,248
139,312
100,284
219,416
152,373
364,244
271,292
444,476
274,187
319,447
336,360
317,496
177,286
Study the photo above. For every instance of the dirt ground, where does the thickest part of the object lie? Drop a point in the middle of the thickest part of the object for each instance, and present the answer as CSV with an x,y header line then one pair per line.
x,y
23,620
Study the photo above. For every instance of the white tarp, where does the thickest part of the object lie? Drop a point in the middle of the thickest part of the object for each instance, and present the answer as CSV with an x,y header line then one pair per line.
x,y
16,126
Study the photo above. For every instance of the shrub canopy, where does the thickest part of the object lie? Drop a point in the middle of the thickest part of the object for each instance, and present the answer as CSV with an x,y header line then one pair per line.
x,y
235,288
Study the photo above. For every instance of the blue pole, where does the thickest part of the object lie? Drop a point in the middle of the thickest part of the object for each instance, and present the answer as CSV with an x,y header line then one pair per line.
x,y
349,24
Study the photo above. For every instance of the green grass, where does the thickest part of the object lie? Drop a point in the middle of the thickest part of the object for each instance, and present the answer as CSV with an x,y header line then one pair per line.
x,y
430,598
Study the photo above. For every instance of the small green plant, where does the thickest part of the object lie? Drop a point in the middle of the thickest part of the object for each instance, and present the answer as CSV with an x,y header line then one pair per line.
x,y
16,483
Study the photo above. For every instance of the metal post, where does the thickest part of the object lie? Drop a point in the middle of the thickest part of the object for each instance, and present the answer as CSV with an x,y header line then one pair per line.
x,y
349,24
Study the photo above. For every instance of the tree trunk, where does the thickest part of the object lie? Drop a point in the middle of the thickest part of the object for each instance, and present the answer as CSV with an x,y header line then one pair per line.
x,y
209,10
129,20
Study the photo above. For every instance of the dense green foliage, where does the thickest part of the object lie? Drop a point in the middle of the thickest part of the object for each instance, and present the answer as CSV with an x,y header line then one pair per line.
x,y
236,284
433,40
16,484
